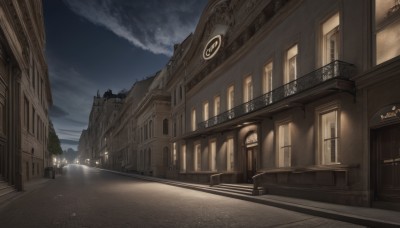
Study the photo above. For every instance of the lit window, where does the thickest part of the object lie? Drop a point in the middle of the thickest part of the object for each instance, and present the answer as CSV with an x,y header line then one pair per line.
x,y
248,89
387,29
291,64
183,158
205,111
291,71
213,152
197,157
284,145
329,137
174,158
231,97
229,155
193,119
217,101
267,79
330,42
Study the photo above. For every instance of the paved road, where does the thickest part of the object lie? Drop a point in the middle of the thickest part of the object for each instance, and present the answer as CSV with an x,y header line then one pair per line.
x,y
88,197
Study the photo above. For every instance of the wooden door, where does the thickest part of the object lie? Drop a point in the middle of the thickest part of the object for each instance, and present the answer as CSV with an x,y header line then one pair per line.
x,y
388,163
250,164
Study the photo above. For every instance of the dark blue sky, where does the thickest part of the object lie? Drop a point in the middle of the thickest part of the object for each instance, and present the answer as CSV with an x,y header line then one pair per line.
x,y
96,45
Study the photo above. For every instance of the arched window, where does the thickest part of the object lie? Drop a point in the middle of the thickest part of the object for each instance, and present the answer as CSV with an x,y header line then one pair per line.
x,y
165,126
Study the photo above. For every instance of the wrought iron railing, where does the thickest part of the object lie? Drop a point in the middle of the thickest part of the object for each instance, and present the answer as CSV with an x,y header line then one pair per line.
x,y
336,69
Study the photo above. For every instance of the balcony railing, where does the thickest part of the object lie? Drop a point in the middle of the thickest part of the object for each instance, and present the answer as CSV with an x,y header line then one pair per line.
x,y
333,70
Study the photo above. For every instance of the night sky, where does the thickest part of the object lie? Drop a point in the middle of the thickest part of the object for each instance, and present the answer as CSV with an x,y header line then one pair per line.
x,y
95,45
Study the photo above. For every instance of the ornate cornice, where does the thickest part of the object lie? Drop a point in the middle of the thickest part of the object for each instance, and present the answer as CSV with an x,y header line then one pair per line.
x,y
233,43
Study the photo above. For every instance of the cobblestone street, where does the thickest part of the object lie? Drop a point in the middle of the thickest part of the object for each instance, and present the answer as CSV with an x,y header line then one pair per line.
x,y
88,197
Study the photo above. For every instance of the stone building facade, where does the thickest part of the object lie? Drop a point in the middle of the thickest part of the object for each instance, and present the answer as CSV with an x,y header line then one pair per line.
x,y
297,97
25,95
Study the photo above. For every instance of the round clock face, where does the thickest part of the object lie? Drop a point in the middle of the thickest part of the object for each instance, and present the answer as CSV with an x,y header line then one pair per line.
x,y
212,47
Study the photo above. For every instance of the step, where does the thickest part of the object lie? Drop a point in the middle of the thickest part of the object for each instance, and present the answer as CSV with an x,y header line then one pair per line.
x,y
236,186
6,189
234,191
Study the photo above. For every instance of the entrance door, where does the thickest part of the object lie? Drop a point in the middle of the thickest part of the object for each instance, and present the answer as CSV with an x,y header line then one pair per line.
x,y
388,163
250,164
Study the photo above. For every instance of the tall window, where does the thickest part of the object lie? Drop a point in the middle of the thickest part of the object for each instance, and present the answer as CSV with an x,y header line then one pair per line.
x,y
213,156
150,128
183,158
33,120
205,111
329,137
387,27
230,155
174,153
26,113
267,79
330,41
165,126
217,101
197,157
194,127
284,144
230,97
291,64
247,89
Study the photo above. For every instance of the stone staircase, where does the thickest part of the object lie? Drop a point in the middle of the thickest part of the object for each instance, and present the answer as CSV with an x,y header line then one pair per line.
x,y
243,189
6,191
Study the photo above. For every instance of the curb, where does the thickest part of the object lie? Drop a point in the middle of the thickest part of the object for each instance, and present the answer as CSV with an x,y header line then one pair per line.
x,y
325,213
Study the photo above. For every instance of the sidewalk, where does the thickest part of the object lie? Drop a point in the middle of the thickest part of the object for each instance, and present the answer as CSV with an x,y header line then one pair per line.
x,y
370,217
28,187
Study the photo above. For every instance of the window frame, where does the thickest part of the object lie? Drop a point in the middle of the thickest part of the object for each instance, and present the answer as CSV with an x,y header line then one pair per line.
x,y
197,157
319,112
278,125
212,155
288,58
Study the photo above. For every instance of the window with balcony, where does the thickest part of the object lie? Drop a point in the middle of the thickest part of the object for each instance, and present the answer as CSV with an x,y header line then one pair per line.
x,y
194,126
230,155
247,89
267,82
230,97
387,29
217,102
291,64
205,111
197,157
330,39
267,78
248,93
284,145
291,70
213,156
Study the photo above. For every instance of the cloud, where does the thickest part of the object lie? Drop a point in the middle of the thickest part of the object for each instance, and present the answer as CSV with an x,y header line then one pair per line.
x,y
70,142
151,25
57,112
72,94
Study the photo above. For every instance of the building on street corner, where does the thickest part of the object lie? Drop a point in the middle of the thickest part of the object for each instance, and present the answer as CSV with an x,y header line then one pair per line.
x,y
297,97
25,94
